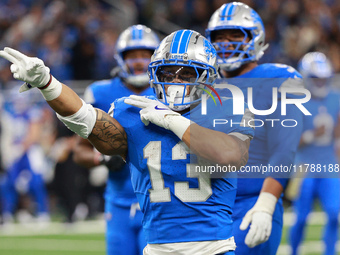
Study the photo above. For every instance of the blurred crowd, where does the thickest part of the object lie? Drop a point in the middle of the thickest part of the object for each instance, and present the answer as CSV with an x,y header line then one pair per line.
x,y
76,40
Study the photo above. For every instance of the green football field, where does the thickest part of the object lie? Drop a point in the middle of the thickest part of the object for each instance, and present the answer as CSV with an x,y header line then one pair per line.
x,y
66,244
87,238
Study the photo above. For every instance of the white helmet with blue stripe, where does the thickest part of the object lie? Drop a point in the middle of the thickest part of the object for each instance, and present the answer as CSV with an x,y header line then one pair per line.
x,y
317,72
231,55
137,37
181,68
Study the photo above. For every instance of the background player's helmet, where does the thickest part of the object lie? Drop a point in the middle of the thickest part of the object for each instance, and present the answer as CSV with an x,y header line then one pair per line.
x,y
317,73
183,50
237,16
136,37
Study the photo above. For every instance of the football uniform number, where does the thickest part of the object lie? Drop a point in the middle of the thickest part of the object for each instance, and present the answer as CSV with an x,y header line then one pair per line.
x,y
323,118
160,193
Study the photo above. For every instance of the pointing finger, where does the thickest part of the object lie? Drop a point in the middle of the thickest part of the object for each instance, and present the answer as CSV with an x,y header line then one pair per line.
x,y
9,57
16,54
136,103
141,98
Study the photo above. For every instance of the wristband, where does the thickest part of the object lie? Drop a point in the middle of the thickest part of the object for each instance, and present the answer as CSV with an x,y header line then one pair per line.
x,y
266,202
81,122
178,124
52,89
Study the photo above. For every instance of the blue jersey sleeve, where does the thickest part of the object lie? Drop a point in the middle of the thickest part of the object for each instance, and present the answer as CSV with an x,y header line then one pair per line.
x,y
93,93
283,140
117,107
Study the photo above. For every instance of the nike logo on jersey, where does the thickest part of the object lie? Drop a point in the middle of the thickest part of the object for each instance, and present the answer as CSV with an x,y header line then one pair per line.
x,y
156,107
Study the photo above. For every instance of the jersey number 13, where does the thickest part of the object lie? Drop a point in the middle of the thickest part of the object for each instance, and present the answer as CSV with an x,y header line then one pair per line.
x,y
160,193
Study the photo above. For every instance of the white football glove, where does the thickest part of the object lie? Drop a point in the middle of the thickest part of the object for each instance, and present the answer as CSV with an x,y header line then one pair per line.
x,y
27,69
152,110
33,72
260,218
159,114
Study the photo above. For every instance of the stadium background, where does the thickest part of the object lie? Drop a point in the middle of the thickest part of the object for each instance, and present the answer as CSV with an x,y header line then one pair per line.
x,y
76,40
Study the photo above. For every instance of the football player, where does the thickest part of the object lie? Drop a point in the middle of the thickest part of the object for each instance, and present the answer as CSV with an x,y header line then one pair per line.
x,y
134,48
317,149
238,34
23,156
185,210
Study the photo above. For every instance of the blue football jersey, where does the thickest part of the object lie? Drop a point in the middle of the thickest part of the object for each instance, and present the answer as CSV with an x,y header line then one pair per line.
x,y
179,204
101,94
273,143
325,112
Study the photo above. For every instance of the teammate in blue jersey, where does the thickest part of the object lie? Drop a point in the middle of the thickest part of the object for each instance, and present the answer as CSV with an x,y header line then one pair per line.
x,y
133,52
23,157
237,33
317,149
185,210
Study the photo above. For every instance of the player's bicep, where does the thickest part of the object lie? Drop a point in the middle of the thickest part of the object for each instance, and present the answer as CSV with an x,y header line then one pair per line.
x,y
108,136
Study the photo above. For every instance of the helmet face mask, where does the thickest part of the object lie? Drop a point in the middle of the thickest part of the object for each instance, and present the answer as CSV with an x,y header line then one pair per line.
x,y
232,54
181,67
132,54
317,72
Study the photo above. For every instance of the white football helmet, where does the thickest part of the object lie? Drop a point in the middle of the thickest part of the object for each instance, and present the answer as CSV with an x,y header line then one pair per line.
x,y
231,55
136,37
317,72
184,55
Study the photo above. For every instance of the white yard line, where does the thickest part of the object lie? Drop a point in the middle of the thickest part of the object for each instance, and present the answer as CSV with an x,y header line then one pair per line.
x,y
314,218
53,228
98,227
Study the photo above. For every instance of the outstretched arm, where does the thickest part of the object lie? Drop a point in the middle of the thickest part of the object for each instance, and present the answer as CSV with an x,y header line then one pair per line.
x,y
108,136
103,131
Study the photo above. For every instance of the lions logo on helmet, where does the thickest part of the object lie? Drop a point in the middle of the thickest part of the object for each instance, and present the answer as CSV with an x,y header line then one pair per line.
x,y
137,37
232,55
317,72
209,51
181,67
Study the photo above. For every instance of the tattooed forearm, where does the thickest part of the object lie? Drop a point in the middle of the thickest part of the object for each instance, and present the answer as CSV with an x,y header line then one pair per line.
x,y
108,136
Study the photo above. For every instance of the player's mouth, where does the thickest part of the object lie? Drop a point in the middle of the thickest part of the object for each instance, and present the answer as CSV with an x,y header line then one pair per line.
x,y
139,70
